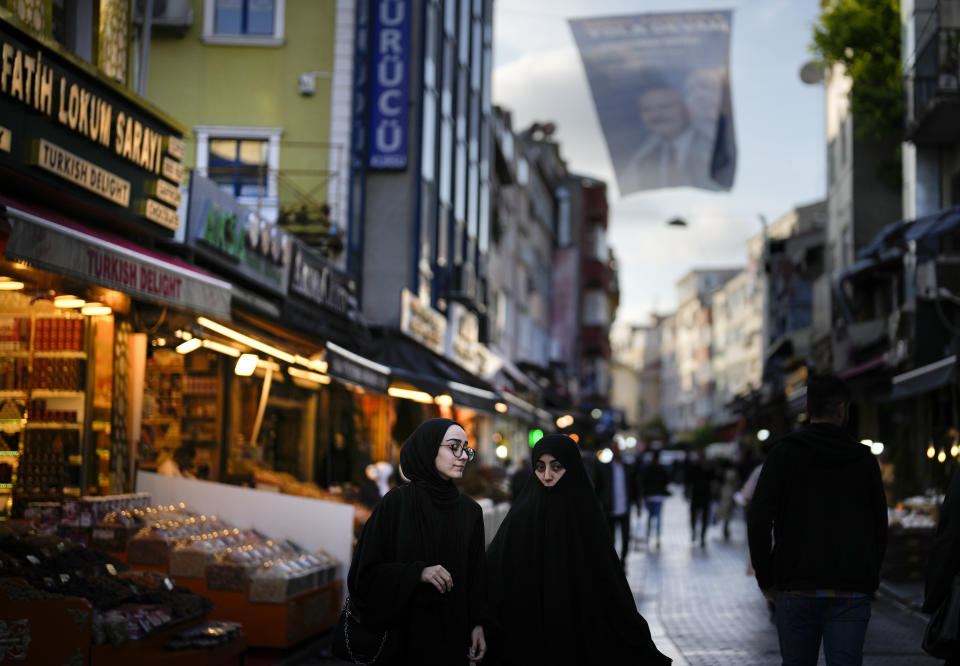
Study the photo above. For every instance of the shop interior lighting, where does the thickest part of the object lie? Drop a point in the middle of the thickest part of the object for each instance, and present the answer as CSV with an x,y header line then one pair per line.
x,y
246,364
876,448
95,309
68,302
763,435
942,456
9,284
409,394
188,346
314,364
228,332
160,342
931,452
213,345
502,452
309,375
604,455
564,421
501,407
444,400
955,450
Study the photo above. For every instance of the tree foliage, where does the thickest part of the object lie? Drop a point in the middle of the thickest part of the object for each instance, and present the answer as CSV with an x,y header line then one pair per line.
x,y
864,36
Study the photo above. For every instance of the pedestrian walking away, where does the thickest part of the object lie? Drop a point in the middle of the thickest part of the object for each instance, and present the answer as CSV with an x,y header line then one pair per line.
x,y
419,570
616,489
944,563
821,495
654,482
700,492
558,594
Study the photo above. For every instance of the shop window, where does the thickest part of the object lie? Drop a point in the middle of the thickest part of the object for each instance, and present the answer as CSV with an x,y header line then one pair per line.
x,y
244,22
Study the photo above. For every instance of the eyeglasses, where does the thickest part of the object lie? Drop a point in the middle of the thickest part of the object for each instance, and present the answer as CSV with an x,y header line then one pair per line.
x,y
458,449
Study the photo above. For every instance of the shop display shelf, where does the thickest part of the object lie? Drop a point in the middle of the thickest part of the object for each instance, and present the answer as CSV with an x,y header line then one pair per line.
x,y
59,353
56,393
53,425
52,631
14,353
13,393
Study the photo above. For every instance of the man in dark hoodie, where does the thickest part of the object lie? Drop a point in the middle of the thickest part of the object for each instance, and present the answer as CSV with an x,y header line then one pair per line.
x,y
821,496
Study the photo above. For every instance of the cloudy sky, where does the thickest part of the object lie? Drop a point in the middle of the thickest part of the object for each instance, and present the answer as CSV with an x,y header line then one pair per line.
x,y
779,123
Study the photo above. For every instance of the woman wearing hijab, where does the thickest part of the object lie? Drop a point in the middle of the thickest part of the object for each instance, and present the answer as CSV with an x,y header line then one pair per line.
x,y
557,591
419,568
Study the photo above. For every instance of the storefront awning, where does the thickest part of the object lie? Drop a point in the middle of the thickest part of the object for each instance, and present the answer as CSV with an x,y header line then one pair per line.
x,y
925,378
350,367
70,249
412,363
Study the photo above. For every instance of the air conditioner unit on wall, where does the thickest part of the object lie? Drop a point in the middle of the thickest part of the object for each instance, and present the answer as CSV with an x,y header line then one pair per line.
x,y
172,14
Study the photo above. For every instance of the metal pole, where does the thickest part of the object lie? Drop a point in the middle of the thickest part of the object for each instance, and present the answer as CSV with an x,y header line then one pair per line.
x,y
145,49
765,294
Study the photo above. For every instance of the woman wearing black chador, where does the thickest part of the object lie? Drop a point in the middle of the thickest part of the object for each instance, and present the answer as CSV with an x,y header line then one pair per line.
x,y
418,568
557,590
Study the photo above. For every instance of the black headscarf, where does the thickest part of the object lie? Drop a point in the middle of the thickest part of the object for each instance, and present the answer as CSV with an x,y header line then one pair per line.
x,y
557,588
418,461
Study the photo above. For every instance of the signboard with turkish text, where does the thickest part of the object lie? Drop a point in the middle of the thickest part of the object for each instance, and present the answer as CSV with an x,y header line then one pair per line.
x,y
85,257
661,86
233,237
421,322
319,281
390,84
82,138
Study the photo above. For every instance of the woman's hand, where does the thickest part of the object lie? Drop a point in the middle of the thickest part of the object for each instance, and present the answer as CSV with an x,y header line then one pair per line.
x,y
478,644
437,576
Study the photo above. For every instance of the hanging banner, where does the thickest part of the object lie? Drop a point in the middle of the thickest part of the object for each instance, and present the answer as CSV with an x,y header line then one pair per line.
x,y
661,85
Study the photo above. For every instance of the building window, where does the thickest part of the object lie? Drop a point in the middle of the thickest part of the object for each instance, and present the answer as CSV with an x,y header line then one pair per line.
x,y
239,166
244,161
244,22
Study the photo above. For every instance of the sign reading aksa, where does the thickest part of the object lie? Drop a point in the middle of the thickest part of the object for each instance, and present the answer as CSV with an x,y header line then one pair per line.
x,y
84,136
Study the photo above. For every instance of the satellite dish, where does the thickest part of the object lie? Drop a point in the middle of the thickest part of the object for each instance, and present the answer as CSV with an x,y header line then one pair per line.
x,y
811,72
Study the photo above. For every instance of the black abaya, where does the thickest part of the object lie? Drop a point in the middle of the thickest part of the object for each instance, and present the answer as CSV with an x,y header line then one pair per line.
x,y
417,525
558,593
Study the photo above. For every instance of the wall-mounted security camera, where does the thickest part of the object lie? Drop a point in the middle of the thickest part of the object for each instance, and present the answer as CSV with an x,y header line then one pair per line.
x,y
308,82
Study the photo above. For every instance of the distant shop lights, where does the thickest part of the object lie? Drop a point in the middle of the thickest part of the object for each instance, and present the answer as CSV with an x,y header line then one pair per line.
x,y
188,346
246,364
228,332
9,284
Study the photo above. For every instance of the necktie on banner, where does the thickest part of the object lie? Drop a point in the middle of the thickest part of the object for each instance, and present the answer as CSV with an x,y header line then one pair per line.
x,y
660,81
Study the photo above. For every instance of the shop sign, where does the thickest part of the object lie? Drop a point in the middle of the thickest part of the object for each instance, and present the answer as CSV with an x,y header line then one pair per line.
x,y
318,281
64,124
235,238
342,367
463,338
390,85
79,255
421,322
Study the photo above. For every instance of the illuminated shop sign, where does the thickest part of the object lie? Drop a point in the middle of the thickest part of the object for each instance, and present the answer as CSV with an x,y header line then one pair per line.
x,y
235,238
83,136
390,84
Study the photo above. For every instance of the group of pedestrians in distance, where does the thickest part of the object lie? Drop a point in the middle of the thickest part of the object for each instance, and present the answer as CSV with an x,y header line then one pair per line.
x,y
551,588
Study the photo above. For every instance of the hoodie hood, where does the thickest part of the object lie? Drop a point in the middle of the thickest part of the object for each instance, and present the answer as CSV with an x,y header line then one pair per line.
x,y
829,445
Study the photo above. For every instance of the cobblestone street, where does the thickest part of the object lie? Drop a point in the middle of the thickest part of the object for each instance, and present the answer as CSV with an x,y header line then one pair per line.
x,y
704,610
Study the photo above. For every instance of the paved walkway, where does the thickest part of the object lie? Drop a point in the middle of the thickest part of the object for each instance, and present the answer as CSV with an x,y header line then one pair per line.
x,y
704,610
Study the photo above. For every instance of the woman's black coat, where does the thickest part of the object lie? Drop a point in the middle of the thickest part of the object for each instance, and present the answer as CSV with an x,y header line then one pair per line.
x,y
420,524
558,592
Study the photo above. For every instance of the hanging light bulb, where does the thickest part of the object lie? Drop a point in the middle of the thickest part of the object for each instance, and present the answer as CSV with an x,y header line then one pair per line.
x,y
942,456
931,452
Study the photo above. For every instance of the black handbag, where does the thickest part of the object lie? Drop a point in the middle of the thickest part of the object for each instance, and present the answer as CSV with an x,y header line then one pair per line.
x,y
356,641
941,637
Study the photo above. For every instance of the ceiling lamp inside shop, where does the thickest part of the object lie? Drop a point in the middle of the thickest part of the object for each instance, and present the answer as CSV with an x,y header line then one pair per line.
x,y
213,345
68,301
309,375
95,309
228,332
9,284
410,394
188,346
246,364
501,407
444,400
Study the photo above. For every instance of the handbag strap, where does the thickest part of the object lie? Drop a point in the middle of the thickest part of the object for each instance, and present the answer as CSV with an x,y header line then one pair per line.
x,y
346,636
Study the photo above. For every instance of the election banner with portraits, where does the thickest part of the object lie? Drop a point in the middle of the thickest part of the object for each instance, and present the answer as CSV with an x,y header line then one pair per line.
x,y
661,86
